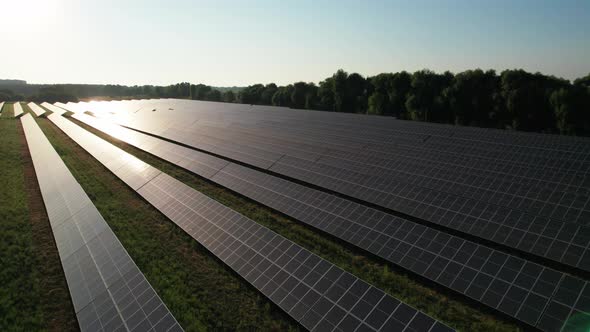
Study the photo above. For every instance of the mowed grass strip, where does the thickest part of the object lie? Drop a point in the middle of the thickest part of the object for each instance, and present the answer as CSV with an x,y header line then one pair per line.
x,y
19,279
7,110
20,291
458,313
201,292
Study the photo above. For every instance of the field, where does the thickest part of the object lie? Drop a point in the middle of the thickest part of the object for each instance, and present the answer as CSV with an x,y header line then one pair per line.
x,y
34,295
402,286
201,292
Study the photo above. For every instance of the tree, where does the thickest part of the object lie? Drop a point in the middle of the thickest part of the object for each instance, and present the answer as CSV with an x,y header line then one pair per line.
x,y
356,94
228,96
267,93
200,91
340,92
54,94
213,95
583,81
148,91
515,98
571,106
425,101
325,95
283,96
527,97
348,92
378,103
561,100
398,88
298,95
388,95
303,95
6,95
251,94
472,98
582,105
311,98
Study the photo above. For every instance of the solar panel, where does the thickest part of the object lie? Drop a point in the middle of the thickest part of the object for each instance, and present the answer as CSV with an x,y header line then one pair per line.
x,y
18,109
560,198
544,213
54,109
316,293
517,287
1,106
108,290
39,111
60,104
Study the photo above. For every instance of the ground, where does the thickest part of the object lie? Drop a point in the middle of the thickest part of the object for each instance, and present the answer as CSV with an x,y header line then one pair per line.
x,y
199,289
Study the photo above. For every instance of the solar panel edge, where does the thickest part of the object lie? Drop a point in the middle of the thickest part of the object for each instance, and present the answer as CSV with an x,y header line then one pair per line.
x,y
17,109
36,109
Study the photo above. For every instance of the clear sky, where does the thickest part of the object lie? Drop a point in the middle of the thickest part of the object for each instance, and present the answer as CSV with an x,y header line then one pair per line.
x,y
226,43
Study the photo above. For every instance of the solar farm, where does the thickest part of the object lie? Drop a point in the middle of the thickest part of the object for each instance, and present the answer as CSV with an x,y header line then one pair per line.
x,y
172,215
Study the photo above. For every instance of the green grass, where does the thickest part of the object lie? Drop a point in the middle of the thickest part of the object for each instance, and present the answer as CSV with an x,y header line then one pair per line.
x,y
19,292
7,111
33,293
201,291
455,312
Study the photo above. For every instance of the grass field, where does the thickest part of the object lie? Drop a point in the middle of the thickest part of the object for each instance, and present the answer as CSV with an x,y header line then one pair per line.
x,y
34,295
461,315
7,111
200,290
20,291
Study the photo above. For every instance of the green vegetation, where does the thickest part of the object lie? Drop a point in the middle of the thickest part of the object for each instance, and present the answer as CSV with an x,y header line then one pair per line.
x,y
456,313
34,295
199,290
7,111
514,99
19,278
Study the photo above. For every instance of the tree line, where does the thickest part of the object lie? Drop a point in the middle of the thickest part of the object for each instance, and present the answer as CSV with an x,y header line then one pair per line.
x,y
513,99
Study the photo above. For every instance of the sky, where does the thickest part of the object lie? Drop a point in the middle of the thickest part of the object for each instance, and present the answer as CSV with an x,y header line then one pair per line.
x,y
237,43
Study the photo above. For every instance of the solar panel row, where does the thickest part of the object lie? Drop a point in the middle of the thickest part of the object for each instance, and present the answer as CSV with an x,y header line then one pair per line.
x,y
313,291
545,199
362,126
53,108
36,109
557,231
18,109
386,136
555,203
61,105
332,130
108,290
517,287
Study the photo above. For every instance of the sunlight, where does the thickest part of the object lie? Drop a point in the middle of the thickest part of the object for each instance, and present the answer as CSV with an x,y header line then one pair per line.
x,y
28,16
32,8
135,164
